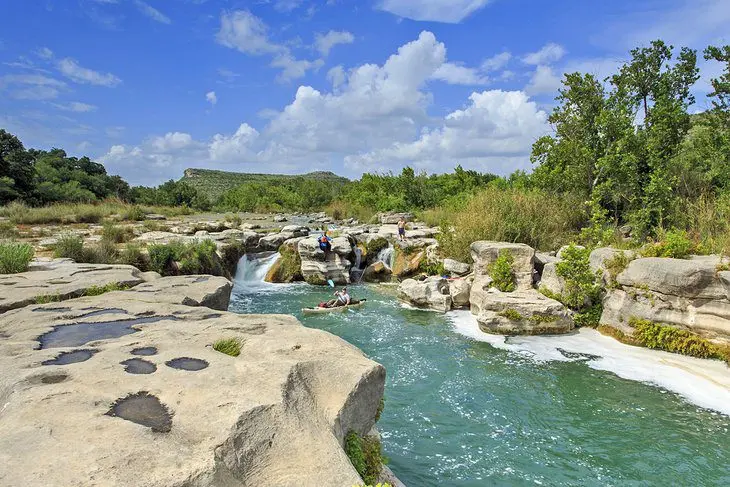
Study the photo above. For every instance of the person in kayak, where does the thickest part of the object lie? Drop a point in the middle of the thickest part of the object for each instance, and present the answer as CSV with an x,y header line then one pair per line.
x,y
342,298
325,243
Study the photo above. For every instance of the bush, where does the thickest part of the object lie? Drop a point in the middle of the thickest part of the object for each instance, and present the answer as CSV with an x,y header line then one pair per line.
x,y
503,277
132,255
674,243
581,286
234,219
615,266
375,245
536,218
229,346
116,234
288,268
15,257
134,213
191,258
104,252
511,314
98,290
8,230
70,247
365,454
672,339
162,258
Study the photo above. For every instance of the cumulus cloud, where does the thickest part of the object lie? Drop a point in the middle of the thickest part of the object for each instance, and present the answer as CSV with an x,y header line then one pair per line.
x,y
448,11
211,97
243,31
548,54
287,5
456,74
325,42
152,12
375,117
496,62
73,71
543,81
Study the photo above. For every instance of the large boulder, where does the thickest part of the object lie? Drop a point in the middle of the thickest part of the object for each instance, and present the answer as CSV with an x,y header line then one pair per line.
x,y
460,289
433,293
484,253
521,313
550,280
408,264
210,291
273,241
689,294
393,218
60,280
318,266
276,414
599,258
456,268
376,272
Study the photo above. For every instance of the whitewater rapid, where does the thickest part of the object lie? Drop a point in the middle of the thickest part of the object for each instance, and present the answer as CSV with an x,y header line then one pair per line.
x,y
705,383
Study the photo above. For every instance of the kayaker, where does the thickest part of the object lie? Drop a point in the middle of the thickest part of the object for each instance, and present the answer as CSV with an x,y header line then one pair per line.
x,y
342,298
325,243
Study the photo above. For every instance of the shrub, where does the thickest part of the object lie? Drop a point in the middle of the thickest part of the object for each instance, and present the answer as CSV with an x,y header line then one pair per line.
x,y
615,266
132,255
71,247
15,257
590,316
365,454
8,230
98,290
541,220
115,233
134,213
229,346
234,219
503,277
162,258
581,286
674,243
672,339
104,252
288,268
432,268
192,258
511,314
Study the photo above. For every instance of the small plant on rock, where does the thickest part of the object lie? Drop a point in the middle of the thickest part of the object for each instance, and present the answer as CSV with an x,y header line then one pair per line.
x,y
582,292
69,247
503,277
366,456
511,315
229,346
99,290
15,257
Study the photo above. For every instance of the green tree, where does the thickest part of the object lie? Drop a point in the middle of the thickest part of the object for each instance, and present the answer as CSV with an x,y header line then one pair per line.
x,y
721,85
16,168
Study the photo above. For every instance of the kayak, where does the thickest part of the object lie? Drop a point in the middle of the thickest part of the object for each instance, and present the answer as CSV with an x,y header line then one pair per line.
x,y
314,311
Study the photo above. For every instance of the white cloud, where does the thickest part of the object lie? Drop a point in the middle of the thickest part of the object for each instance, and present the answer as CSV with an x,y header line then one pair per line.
x,y
152,12
287,5
456,74
496,62
497,125
44,53
75,106
325,42
543,81
211,97
448,11
72,70
31,86
375,117
548,54
248,34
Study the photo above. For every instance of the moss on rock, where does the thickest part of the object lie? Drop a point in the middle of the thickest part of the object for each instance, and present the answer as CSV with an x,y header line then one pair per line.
x,y
288,268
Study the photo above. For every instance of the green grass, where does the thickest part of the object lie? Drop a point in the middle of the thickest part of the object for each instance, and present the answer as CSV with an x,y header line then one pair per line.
x,y
511,315
69,247
15,257
229,346
366,456
8,230
47,298
180,258
98,290
214,183
65,213
116,234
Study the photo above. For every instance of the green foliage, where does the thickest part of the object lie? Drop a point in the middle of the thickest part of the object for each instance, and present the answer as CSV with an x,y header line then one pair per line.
x,y
229,346
171,193
615,266
234,219
98,290
69,247
674,243
8,230
134,213
365,454
581,286
288,268
511,314
133,255
162,258
47,298
533,217
178,258
672,339
381,407
116,234
503,277
375,245
15,257
590,316
432,268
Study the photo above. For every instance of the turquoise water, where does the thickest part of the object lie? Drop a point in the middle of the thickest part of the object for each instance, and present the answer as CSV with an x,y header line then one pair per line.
x,y
462,413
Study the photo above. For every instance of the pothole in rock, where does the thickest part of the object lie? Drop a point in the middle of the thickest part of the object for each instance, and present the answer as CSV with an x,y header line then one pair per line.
x,y
144,351
145,409
187,363
108,311
78,334
52,378
138,366
72,357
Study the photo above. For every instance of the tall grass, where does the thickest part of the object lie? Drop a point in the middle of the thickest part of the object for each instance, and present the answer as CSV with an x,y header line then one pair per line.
x,y
83,212
15,257
341,209
541,220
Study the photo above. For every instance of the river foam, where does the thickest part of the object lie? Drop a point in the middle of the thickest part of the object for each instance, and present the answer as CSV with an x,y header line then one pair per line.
x,y
705,383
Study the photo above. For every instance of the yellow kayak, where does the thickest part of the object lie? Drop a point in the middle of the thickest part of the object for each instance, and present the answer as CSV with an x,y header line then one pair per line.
x,y
318,310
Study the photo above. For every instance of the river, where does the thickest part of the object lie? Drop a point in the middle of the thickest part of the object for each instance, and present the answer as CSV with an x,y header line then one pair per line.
x,y
464,409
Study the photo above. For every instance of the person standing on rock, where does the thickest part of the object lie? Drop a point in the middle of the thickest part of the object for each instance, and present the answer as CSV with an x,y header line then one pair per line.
x,y
402,229
325,243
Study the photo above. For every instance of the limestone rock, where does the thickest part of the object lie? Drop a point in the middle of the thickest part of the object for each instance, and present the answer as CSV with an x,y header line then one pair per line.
x,y
155,217
600,256
297,230
456,268
275,415
685,278
550,280
521,313
483,253
393,218
210,291
407,265
376,272
432,293
150,276
280,219
460,289
274,240
318,267
62,280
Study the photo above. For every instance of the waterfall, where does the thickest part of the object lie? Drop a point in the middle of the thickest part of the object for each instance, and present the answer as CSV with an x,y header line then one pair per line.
x,y
387,256
358,257
252,268
355,271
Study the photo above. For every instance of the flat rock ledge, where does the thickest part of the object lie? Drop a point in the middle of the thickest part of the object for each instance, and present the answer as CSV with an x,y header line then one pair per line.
x,y
75,409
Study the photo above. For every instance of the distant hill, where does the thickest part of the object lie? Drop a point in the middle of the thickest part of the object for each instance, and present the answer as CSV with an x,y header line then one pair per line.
x,y
214,183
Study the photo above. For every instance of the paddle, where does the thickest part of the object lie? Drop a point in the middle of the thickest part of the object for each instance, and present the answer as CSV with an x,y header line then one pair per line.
x,y
332,284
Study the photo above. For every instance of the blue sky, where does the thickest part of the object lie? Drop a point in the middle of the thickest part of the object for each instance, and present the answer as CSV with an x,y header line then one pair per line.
x,y
150,87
